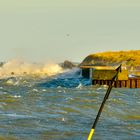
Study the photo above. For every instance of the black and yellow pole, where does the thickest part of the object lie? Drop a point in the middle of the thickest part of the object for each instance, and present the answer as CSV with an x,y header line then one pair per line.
x,y
103,102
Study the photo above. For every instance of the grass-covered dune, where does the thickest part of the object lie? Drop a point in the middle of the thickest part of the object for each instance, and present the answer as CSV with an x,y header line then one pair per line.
x,y
131,58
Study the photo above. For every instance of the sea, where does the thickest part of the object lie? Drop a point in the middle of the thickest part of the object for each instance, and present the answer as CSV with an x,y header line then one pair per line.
x,y
56,104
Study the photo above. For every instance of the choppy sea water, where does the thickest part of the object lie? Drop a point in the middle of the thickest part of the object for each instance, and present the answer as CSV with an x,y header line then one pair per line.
x,y
63,107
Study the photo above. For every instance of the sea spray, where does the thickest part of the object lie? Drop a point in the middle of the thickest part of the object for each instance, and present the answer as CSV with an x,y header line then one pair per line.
x,y
34,109
21,68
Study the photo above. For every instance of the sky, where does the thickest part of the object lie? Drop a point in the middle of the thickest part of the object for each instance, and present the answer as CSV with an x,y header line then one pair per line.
x,y
58,30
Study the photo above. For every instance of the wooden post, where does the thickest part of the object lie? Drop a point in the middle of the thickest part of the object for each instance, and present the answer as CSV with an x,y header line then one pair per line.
x,y
138,83
135,83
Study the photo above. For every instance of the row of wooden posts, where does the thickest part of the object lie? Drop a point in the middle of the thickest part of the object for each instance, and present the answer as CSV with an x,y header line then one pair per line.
x,y
130,83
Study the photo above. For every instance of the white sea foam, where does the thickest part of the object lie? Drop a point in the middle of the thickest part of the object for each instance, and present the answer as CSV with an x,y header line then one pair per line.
x,y
79,86
63,120
18,68
14,115
44,90
36,90
17,96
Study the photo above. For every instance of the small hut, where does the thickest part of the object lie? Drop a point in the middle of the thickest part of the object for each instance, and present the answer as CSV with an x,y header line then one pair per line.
x,y
103,72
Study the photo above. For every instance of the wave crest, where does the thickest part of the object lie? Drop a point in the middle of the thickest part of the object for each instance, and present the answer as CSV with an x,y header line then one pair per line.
x,y
18,68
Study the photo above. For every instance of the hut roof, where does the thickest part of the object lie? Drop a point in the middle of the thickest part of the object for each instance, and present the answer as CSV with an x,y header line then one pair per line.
x,y
100,67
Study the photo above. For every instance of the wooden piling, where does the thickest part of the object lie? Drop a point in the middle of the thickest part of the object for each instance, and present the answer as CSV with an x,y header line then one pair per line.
x,y
130,83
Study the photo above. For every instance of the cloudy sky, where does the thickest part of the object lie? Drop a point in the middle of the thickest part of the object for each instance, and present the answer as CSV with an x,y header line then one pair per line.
x,y
55,30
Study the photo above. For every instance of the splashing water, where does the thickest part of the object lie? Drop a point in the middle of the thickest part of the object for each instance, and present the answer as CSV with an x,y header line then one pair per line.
x,y
63,107
18,68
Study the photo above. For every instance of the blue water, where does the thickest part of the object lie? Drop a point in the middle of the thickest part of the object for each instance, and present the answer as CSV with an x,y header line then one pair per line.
x,y
63,107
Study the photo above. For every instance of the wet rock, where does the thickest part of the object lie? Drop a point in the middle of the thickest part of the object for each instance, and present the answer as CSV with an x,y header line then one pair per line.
x,y
67,65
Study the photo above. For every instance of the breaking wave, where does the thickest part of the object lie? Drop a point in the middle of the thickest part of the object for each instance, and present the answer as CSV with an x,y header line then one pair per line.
x,y
69,79
21,68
